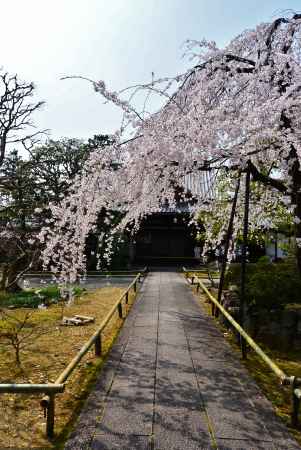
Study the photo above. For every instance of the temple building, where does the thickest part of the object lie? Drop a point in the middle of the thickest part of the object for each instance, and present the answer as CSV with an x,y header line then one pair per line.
x,y
166,237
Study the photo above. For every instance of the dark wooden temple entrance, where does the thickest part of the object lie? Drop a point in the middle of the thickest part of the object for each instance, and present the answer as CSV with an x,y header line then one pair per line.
x,y
164,239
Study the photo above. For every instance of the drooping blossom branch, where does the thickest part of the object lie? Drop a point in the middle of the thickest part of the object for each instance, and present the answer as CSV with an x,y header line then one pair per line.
x,y
236,106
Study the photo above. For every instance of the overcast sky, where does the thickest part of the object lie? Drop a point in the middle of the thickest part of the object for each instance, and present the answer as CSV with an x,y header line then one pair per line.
x,y
119,41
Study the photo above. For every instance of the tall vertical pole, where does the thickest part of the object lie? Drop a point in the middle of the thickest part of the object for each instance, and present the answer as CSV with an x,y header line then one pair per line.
x,y
227,245
244,261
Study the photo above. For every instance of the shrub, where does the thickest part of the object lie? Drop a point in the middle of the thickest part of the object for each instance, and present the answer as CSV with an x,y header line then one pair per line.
x,y
263,260
233,274
32,298
274,285
268,285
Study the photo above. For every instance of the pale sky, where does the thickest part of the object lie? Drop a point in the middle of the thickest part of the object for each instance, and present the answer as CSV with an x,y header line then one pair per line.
x,y
119,41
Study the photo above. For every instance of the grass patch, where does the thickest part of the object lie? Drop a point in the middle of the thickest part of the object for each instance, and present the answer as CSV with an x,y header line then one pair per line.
x,y
22,424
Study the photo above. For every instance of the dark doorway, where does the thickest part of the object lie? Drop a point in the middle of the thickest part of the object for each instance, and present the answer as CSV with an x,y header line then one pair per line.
x,y
165,239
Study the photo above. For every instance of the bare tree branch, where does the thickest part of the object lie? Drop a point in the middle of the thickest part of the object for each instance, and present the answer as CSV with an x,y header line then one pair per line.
x,y
15,112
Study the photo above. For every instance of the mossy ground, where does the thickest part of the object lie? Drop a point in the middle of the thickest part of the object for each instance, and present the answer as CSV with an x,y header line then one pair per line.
x,y
22,422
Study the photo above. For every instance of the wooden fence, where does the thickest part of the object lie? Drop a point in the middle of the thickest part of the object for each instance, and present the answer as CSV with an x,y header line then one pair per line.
x,y
285,380
52,389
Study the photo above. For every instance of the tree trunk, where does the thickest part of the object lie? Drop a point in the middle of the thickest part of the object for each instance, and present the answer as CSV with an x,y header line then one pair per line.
x,y
9,274
17,354
3,282
298,236
14,269
12,285
296,200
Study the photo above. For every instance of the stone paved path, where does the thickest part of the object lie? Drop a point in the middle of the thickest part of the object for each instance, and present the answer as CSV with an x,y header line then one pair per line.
x,y
172,383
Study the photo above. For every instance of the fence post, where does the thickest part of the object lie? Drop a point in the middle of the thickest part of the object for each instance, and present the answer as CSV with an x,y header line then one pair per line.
x,y
296,393
213,310
98,345
120,310
50,415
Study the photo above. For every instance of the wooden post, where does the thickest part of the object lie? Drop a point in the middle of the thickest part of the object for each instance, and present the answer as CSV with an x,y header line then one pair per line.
x,y
98,345
295,406
120,310
226,250
244,262
50,416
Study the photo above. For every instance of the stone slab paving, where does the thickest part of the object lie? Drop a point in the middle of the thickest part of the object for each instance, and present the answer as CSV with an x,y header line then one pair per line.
x,y
172,382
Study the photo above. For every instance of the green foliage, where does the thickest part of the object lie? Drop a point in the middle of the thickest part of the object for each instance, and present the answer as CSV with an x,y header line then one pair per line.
x,y
233,274
28,185
32,298
268,285
274,285
263,260
27,299
120,257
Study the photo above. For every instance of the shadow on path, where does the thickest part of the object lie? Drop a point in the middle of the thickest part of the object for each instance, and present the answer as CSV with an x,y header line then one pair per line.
x,y
173,383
